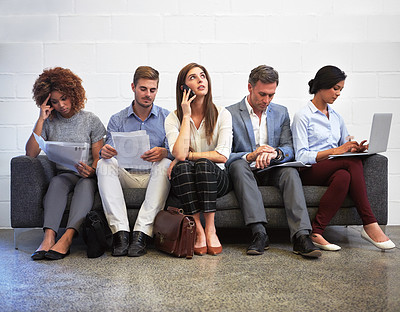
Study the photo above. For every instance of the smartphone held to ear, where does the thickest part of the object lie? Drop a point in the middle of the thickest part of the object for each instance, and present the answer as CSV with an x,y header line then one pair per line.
x,y
185,87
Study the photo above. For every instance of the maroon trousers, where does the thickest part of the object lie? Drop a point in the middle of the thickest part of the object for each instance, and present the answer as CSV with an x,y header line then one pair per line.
x,y
342,175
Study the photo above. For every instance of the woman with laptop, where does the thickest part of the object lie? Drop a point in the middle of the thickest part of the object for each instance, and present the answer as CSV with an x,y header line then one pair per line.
x,y
318,132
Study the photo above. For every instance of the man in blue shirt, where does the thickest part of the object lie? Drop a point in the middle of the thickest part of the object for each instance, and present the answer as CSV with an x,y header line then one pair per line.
x,y
142,114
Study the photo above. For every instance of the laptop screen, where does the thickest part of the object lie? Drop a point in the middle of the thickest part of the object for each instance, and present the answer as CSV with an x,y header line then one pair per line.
x,y
380,130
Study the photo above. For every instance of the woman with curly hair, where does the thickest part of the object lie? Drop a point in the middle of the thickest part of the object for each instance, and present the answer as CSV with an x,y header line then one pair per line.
x,y
59,94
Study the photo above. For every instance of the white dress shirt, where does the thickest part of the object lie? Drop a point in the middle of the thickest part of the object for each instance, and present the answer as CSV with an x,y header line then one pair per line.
x,y
259,126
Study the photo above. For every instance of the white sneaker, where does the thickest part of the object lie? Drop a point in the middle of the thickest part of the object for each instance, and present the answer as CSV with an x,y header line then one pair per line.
x,y
329,247
383,245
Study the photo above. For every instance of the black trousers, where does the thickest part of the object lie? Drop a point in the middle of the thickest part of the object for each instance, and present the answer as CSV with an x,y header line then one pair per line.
x,y
198,184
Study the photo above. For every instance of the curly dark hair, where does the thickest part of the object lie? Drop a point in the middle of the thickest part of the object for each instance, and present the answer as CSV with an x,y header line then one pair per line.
x,y
62,80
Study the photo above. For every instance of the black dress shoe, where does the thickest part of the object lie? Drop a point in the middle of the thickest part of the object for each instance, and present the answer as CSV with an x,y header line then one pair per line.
x,y
38,255
259,244
120,244
54,255
137,247
303,246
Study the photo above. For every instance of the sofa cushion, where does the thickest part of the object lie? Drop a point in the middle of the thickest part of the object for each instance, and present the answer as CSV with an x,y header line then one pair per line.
x,y
271,195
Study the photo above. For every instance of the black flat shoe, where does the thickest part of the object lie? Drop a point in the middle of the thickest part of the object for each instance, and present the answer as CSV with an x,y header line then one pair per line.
x,y
259,244
304,246
120,244
54,255
39,255
137,246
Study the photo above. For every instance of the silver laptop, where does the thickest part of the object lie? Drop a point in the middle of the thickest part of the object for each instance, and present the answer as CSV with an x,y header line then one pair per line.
x,y
379,136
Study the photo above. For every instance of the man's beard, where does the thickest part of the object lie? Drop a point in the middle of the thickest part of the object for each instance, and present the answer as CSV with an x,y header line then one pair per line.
x,y
144,105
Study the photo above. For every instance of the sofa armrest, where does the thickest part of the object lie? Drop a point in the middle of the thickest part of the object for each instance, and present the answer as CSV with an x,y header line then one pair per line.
x,y
376,180
29,181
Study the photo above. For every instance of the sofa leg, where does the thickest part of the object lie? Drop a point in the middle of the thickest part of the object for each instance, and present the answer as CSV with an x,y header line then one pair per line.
x,y
17,233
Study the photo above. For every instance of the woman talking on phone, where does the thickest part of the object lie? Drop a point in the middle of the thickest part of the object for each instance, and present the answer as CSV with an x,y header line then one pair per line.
x,y
59,94
199,135
319,131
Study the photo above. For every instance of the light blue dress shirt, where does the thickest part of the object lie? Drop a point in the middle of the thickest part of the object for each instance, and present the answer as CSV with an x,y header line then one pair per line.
x,y
126,121
314,132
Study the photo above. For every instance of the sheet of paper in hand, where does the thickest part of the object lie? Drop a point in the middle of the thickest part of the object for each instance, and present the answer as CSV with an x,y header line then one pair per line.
x,y
130,146
66,154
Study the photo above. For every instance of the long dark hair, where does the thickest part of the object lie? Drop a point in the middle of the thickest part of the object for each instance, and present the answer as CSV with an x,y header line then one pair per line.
x,y
210,111
326,78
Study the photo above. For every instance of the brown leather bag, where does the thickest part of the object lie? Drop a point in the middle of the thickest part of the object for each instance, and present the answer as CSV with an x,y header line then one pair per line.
x,y
174,232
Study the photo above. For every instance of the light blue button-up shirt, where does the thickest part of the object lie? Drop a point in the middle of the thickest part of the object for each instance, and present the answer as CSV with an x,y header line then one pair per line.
x,y
127,121
314,132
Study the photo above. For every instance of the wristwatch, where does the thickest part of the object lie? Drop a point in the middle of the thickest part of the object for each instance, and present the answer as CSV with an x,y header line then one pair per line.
x,y
279,157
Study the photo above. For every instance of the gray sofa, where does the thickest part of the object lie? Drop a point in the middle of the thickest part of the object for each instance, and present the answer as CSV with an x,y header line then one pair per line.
x,y
30,178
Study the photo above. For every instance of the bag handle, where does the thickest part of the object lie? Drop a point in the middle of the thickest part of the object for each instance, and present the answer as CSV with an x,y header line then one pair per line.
x,y
175,210
189,243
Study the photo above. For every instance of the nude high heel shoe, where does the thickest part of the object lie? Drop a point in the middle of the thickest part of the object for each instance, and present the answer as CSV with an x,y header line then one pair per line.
x,y
200,250
214,250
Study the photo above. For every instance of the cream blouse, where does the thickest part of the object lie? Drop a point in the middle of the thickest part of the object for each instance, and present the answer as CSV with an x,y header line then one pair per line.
x,y
222,137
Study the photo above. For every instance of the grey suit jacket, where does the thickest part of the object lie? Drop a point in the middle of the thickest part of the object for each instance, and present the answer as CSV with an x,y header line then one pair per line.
x,y
278,125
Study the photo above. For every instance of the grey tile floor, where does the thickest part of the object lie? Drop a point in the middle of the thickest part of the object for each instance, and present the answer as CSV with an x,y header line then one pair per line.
x,y
357,278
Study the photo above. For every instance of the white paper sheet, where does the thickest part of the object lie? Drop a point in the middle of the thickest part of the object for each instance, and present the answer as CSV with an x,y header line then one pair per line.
x,y
130,146
66,154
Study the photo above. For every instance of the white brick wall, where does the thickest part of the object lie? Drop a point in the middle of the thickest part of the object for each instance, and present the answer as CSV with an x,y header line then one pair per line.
x,y
21,57
81,56
120,57
389,85
41,28
80,28
104,41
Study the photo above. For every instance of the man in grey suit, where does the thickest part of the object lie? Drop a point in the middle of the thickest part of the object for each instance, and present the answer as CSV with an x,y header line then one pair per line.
x,y
262,137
